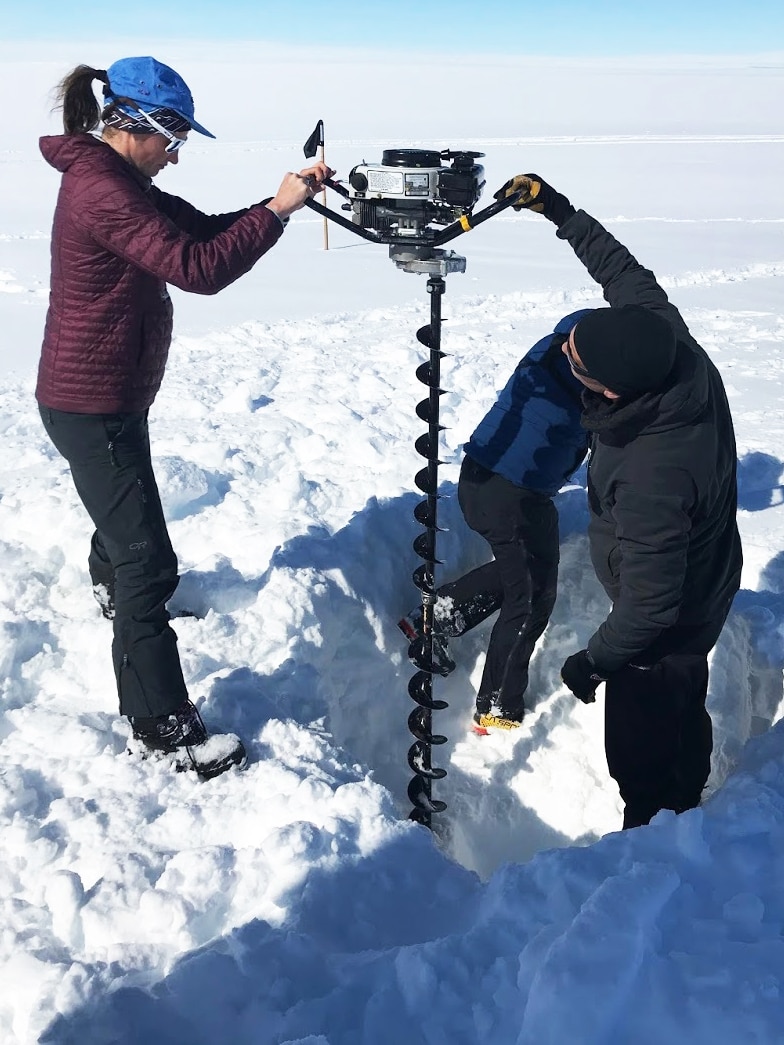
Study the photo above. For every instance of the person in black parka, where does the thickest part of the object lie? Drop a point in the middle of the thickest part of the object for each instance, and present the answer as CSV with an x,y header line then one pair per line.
x,y
663,534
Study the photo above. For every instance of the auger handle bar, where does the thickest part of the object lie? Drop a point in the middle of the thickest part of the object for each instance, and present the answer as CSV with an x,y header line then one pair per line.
x,y
464,223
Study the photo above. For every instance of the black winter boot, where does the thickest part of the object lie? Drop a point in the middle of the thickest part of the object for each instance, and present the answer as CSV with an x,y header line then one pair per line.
x,y
411,626
183,734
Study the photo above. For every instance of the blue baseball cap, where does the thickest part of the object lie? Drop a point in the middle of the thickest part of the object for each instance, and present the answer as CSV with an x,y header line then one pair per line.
x,y
152,85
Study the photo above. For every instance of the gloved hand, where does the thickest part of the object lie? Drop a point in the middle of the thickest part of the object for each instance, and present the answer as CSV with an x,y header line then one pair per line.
x,y
538,196
580,675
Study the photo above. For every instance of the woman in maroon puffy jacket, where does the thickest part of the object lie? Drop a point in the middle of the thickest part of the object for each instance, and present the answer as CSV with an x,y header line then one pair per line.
x,y
117,240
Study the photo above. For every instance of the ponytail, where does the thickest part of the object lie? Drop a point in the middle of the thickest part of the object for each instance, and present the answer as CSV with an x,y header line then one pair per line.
x,y
74,95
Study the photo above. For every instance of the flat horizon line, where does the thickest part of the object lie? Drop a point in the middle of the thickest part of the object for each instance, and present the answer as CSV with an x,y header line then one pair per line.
x,y
289,49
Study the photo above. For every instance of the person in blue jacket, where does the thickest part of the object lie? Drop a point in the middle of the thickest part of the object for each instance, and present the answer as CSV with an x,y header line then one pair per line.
x,y
517,459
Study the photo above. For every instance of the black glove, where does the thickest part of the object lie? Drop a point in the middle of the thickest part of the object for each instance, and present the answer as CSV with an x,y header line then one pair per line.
x,y
580,675
538,196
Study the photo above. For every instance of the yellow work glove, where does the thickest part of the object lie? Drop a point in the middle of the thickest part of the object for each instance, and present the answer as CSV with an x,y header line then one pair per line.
x,y
538,196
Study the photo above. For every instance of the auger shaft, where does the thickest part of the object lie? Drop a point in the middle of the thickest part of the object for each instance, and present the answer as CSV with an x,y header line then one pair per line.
x,y
415,248
420,687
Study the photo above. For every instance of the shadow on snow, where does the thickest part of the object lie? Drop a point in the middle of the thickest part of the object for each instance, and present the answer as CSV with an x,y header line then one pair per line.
x,y
282,982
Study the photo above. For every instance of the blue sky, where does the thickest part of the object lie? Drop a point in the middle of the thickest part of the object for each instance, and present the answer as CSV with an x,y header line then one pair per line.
x,y
547,27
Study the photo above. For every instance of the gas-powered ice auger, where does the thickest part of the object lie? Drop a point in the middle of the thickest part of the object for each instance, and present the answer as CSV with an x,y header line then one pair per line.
x,y
396,202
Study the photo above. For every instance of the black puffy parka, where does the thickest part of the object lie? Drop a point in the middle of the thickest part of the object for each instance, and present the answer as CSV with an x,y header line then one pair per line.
x,y
662,483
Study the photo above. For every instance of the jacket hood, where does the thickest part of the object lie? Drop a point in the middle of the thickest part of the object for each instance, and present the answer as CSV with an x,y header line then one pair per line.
x,y
65,151
686,395
62,150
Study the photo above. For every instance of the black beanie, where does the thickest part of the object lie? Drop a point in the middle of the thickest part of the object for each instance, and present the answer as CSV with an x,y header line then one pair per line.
x,y
629,350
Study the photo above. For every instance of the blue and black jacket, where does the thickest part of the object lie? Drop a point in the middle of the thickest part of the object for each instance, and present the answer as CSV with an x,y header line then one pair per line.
x,y
532,434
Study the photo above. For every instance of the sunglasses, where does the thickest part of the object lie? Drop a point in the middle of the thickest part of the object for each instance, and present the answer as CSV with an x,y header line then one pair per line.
x,y
175,143
576,367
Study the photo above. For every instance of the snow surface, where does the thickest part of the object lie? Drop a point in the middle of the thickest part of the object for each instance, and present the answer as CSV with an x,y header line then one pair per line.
x,y
294,902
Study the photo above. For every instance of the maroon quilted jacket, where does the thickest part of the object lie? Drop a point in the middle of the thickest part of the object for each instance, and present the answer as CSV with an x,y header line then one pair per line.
x,y
117,240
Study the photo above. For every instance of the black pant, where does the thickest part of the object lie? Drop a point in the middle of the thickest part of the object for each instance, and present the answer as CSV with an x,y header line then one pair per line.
x,y
658,733
521,528
109,456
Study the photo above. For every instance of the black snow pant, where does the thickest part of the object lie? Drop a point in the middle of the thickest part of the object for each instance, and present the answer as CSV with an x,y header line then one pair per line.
x,y
521,528
109,457
658,733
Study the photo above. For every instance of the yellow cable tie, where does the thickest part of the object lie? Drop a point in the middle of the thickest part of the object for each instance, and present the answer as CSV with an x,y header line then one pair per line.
x,y
467,226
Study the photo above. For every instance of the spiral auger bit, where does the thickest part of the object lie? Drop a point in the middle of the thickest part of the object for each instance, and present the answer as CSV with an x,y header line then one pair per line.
x,y
420,687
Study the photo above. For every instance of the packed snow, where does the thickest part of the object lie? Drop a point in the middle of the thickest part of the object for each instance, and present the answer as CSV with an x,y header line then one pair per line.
x,y
294,902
